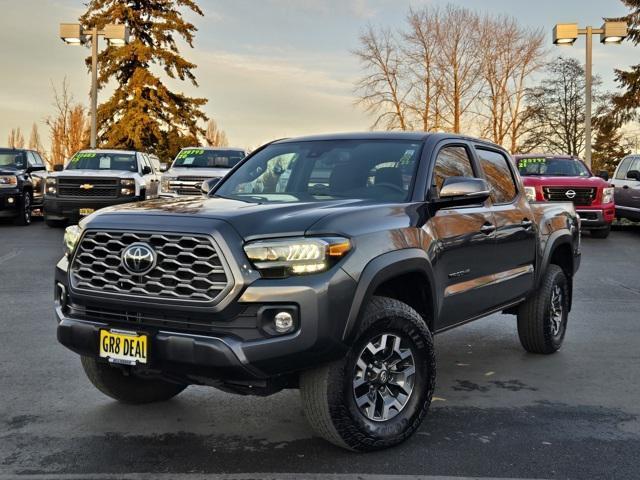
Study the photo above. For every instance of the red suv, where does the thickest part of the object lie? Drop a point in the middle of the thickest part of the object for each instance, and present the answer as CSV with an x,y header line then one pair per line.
x,y
551,178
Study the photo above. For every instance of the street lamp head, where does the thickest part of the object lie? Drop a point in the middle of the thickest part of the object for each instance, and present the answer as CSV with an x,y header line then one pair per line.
x,y
565,33
613,32
71,33
116,34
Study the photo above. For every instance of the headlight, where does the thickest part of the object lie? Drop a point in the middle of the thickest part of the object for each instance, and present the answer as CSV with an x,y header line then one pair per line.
x,y
296,256
607,195
530,193
71,236
52,186
127,182
165,184
8,180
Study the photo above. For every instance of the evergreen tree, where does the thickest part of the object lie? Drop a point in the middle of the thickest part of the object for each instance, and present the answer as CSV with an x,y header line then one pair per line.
x,y
628,102
607,147
143,113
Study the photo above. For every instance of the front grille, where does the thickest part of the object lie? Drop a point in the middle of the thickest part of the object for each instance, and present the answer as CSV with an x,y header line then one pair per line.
x,y
188,267
583,196
187,185
89,187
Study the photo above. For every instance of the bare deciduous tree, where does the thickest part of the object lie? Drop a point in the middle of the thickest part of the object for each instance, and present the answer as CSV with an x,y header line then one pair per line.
x,y
383,90
68,127
16,139
214,136
34,139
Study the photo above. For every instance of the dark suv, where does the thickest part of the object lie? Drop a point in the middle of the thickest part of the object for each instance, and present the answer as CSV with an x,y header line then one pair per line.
x,y
325,264
22,174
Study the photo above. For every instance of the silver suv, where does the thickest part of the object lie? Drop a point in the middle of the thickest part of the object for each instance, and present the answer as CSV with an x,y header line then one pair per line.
x,y
626,180
194,165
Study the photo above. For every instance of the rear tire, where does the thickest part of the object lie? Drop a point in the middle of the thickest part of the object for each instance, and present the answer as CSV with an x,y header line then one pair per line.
x,y
342,399
24,210
128,388
542,318
601,232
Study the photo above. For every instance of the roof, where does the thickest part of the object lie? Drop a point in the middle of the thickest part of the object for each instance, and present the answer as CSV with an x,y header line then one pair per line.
x,y
545,155
415,136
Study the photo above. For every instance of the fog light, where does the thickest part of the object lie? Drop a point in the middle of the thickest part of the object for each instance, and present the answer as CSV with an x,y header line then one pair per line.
x,y
10,200
283,322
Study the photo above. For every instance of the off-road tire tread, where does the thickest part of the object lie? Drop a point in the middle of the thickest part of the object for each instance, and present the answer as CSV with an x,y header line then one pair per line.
x,y
20,220
321,388
128,389
531,315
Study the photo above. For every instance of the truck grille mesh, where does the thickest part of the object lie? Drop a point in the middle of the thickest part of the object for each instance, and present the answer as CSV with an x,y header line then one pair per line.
x,y
580,196
100,187
188,267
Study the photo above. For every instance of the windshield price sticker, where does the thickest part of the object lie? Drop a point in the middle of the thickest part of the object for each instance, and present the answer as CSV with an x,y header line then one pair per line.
x,y
191,151
523,162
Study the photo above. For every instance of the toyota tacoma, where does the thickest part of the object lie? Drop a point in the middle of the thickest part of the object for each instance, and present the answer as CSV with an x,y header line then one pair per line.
x,y
333,281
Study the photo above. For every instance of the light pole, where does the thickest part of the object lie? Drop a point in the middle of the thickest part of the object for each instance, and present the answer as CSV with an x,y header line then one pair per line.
x,y
74,34
565,34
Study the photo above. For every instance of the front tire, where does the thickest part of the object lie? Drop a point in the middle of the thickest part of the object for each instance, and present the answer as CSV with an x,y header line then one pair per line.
x,y
24,210
379,393
542,318
128,388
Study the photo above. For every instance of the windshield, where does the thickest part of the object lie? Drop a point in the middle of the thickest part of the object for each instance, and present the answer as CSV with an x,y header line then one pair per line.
x,y
379,170
553,167
202,158
103,161
12,159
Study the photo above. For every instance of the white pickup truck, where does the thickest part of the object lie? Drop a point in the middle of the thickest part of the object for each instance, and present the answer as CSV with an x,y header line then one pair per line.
x,y
93,179
194,165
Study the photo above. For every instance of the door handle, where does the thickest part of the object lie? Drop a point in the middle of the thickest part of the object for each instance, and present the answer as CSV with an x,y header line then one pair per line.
x,y
487,228
625,186
526,224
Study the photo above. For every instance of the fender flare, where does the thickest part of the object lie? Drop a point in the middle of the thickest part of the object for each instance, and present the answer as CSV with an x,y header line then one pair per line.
x,y
381,269
556,239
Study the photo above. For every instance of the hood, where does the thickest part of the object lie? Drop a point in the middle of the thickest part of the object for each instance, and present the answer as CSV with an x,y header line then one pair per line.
x,y
535,181
94,173
251,220
197,172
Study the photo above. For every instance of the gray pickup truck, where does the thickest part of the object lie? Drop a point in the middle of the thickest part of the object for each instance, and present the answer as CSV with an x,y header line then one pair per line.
x,y
322,263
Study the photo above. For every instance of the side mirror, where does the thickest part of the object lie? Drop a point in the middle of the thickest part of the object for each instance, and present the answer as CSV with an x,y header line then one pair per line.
x,y
36,168
603,174
164,167
459,191
58,168
633,175
208,185
146,170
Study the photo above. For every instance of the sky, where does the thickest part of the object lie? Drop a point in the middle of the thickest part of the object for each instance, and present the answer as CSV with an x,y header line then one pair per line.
x,y
269,68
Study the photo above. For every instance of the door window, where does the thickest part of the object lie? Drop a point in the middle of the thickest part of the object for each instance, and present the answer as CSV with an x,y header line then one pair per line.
x,y
499,175
621,174
451,162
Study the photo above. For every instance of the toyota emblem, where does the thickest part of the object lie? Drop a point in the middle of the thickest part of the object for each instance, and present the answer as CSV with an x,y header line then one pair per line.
x,y
570,193
138,258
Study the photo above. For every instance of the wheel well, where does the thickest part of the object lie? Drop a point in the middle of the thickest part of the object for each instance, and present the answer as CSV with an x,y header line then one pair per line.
x,y
562,257
413,289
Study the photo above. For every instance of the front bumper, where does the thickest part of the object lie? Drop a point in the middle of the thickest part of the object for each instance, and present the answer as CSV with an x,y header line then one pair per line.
x,y
594,218
10,199
69,208
234,346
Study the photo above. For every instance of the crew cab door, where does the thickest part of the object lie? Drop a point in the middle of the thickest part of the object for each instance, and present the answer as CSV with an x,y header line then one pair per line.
x,y
515,235
150,178
465,241
627,190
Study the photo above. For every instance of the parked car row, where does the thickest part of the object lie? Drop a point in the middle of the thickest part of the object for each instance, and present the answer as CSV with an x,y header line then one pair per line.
x,y
93,179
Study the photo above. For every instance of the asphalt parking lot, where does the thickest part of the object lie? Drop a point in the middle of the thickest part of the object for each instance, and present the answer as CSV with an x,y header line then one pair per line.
x,y
498,411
